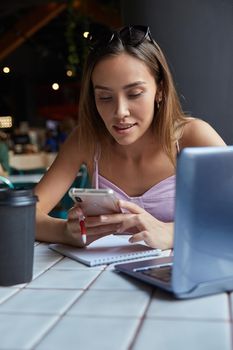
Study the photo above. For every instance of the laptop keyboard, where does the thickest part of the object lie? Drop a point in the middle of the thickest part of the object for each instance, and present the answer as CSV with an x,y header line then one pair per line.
x,y
163,273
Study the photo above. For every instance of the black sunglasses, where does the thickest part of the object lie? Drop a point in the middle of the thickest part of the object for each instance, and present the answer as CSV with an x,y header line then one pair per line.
x,y
130,35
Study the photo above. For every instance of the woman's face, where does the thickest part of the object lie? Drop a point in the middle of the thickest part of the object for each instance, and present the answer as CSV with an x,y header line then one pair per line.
x,y
125,92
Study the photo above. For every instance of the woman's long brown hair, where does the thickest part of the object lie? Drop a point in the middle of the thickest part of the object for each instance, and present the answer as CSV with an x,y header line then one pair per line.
x,y
168,118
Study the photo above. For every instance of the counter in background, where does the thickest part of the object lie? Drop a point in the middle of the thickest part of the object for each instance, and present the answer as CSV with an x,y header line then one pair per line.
x,y
32,161
27,178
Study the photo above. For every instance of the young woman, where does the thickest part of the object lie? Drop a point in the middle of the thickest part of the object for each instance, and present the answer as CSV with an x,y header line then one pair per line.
x,y
130,129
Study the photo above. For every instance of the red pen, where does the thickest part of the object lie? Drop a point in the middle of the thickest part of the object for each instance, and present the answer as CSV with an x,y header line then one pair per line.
x,y
83,229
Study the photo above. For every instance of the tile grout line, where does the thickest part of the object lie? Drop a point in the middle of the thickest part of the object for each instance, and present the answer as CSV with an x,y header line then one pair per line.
x,y
46,332
63,314
141,321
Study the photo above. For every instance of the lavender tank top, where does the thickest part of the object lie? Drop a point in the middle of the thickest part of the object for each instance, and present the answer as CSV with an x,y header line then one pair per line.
x,y
159,200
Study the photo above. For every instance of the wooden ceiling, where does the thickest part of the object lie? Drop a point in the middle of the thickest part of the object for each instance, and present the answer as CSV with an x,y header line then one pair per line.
x,y
33,42
38,13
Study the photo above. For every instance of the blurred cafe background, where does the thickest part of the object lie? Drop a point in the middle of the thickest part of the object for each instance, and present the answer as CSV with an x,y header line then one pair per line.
x,y
42,50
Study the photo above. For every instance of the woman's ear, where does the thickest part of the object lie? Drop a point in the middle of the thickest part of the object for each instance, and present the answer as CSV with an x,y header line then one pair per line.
x,y
159,93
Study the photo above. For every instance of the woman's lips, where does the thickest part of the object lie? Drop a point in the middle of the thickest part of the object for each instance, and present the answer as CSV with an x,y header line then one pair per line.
x,y
123,128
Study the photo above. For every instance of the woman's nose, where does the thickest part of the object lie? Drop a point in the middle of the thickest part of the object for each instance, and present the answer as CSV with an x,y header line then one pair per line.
x,y
121,108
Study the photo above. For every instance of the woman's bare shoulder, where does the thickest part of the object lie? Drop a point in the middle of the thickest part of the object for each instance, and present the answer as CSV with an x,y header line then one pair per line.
x,y
197,132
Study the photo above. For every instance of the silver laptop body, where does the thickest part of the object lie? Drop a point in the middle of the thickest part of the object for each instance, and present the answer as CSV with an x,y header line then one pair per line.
x,y
203,235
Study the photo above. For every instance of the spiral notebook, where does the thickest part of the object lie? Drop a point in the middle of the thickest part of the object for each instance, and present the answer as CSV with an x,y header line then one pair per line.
x,y
106,250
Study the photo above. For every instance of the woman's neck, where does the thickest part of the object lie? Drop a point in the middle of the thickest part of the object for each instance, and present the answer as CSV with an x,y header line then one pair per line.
x,y
137,150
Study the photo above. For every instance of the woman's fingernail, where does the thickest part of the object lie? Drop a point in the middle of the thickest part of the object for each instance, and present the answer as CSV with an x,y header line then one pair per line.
x,y
103,218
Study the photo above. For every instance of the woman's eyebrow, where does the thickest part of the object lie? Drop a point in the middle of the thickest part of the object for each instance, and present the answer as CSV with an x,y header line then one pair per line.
x,y
101,87
128,86
136,83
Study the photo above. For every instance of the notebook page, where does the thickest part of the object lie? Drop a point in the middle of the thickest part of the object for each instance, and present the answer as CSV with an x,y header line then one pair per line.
x,y
106,250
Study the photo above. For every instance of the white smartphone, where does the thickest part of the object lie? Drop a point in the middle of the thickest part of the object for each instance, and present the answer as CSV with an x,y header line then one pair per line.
x,y
95,202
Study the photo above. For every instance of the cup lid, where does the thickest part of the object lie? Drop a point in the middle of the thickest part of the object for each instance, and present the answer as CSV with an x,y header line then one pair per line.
x,y
17,197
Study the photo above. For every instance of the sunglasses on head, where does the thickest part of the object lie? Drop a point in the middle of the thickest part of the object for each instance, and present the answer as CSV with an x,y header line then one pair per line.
x,y
130,35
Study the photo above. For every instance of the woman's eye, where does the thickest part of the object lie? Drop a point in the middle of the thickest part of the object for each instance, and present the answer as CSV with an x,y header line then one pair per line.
x,y
104,98
135,94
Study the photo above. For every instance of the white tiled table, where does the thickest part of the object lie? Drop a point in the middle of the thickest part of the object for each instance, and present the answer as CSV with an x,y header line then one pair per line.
x,y
71,306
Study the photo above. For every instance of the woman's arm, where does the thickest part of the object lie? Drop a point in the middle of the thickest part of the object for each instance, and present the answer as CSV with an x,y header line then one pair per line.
x,y
51,189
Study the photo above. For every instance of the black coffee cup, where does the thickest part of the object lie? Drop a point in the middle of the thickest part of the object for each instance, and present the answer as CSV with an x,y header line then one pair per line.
x,y
17,235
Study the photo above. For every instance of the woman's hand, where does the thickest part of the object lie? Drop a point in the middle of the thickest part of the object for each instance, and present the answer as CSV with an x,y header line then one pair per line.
x,y
142,225
94,226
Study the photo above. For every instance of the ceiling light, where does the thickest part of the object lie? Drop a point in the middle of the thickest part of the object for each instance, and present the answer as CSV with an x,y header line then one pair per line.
x,y
55,86
6,70
69,73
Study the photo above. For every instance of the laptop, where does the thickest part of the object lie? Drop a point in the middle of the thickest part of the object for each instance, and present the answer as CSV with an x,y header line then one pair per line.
x,y
203,234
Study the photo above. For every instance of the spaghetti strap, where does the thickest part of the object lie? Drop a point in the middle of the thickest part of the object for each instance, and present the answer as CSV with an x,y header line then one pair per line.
x,y
96,166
